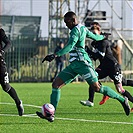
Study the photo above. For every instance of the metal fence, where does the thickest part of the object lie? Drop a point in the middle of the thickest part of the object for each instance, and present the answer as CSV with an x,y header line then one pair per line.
x,y
25,56
24,60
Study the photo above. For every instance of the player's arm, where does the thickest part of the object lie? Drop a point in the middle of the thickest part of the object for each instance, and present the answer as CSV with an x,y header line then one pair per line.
x,y
74,36
95,53
99,54
66,49
6,41
93,36
72,41
63,51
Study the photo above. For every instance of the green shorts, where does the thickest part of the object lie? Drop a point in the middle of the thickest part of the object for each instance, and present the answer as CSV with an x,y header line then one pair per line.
x,y
81,68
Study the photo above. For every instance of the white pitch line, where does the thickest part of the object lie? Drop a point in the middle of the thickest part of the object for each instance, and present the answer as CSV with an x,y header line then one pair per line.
x,y
28,115
69,119
95,121
28,105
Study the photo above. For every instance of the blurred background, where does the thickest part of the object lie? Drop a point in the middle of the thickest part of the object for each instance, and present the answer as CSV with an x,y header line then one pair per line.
x,y
36,27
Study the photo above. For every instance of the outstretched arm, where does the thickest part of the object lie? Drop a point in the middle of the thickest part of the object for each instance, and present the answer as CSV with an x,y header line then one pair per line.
x,y
74,36
93,36
66,49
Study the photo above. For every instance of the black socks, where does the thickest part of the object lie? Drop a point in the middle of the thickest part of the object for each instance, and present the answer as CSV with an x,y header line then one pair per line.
x,y
128,95
14,95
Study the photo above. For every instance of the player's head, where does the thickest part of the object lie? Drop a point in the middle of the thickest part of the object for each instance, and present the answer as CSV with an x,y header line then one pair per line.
x,y
96,29
95,25
61,44
70,19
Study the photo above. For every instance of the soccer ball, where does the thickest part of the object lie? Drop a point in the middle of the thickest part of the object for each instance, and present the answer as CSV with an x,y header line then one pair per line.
x,y
48,110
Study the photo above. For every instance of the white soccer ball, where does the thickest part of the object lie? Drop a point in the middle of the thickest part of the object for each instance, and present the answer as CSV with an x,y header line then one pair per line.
x,y
48,109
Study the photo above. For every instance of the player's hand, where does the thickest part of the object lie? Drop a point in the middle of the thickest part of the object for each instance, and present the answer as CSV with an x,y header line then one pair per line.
x,y
2,53
49,58
106,35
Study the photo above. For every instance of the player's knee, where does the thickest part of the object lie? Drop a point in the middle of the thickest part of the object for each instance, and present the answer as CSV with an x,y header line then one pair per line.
x,y
55,84
6,87
58,83
95,87
119,91
119,88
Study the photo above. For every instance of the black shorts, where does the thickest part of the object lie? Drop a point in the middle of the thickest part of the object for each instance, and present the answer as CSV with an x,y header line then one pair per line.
x,y
111,70
4,78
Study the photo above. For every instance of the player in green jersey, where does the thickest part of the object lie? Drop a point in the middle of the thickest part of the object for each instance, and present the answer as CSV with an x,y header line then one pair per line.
x,y
80,64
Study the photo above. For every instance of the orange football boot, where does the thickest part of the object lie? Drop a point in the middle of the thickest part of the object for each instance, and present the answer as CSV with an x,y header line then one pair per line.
x,y
105,98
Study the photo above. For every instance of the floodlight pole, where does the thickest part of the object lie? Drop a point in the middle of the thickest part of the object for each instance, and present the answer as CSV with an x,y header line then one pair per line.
x,y
31,7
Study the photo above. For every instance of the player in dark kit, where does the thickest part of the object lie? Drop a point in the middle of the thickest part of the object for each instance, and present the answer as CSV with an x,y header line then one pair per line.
x,y
4,79
109,66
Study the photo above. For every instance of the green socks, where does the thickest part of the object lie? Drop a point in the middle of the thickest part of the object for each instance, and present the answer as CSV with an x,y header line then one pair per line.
x,y
111,93
105,90
55,97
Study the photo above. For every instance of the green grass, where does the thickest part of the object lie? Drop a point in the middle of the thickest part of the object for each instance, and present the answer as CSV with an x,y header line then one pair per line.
x,y
110,114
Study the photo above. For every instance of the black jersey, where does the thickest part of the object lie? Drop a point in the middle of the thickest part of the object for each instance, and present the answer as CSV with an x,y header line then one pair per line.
x,y
103,52
108,64
2,33
4,38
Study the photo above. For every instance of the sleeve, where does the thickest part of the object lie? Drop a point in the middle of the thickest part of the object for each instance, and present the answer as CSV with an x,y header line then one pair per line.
x,y
93,36
6,40
98,53
96,56
101,52
105,44
74,36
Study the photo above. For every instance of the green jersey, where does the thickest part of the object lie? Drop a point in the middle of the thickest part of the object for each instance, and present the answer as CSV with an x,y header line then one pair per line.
x,y
76,43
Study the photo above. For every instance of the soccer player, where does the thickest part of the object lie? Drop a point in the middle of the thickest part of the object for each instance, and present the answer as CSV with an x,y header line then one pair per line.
x,y
4,79
80,63
109,66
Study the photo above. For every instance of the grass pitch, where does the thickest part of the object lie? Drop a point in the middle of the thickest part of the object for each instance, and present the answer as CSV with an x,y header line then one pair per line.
x,y
71,116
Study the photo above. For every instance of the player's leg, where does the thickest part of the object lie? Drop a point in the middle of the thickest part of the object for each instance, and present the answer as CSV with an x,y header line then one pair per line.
x,y
90,100
117,78
56,92
102,73
124,92
54,98
105,90
64,77
90,76
4,81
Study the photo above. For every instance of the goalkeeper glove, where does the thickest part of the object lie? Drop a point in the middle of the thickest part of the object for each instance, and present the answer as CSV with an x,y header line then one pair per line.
x,y
49,58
